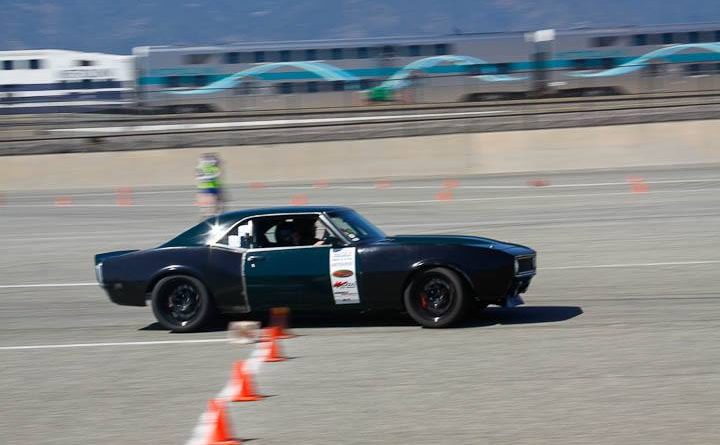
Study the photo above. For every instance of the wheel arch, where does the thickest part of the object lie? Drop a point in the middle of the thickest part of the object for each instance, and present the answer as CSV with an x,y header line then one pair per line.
x,y
176,270
424,265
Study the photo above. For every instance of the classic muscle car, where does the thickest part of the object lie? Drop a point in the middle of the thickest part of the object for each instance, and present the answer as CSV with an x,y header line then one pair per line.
x,y
315,258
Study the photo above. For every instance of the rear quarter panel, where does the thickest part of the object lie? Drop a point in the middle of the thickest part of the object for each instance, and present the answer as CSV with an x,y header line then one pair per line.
x,y
129,278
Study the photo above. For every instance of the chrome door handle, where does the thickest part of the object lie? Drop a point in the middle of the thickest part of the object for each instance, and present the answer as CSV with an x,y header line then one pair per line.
x,y
255,258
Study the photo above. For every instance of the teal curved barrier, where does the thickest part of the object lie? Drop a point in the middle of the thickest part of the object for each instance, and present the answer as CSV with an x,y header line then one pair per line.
x,y
399,80
643,61
322,70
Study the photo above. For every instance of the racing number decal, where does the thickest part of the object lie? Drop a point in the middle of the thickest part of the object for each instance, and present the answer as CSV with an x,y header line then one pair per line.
x,y
343,276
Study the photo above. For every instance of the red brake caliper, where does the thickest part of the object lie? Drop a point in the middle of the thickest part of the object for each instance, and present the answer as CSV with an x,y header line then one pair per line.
x,y
423,301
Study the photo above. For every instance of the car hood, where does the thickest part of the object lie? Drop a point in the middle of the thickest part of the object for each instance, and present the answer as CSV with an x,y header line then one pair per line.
x,y
458,240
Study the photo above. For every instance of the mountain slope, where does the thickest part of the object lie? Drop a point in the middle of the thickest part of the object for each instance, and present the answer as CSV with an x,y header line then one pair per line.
x,y
117,26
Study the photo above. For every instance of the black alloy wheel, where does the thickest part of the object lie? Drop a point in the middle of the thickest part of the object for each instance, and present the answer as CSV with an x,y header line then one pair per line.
x,y
181,303
436,298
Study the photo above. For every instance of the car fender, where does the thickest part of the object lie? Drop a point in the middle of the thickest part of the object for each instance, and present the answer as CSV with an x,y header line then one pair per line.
x,y
431,263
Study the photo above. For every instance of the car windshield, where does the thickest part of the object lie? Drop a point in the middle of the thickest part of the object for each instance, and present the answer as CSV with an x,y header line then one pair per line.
x,y
354,226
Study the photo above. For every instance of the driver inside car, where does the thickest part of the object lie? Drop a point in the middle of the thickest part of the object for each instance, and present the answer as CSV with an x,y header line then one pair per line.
x,y
298,233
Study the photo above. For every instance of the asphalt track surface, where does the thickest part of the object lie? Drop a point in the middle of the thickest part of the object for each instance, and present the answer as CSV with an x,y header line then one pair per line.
x,y
619,342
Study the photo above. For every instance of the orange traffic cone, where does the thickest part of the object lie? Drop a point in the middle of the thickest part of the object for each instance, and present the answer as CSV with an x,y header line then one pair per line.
x,y
321,184
63,201
273,348
299,200
124,197
538,182
637,184
256,185
243,383
383,184
279,321
444,195
220,425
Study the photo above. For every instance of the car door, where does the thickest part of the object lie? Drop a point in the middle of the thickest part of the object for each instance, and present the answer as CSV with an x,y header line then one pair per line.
x,y
288,276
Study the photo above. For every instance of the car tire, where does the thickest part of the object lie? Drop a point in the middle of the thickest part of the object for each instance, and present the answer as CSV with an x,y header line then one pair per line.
x,y
436,298
181,303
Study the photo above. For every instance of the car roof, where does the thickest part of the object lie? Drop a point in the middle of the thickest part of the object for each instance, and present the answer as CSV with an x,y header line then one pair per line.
x,y
237,215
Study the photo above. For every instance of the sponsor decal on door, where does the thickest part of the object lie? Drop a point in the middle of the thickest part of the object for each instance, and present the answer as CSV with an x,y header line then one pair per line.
x,y
343,276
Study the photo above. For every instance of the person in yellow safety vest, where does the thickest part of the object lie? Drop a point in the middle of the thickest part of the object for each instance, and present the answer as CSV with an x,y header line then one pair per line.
x,y
208,175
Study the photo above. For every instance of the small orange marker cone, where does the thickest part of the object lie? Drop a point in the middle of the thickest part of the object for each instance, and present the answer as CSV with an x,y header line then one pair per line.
x,y
637,184
273,348
299,200
124,196
220,425
538,182
244,386
279,321
444,195
321,184
383,184
63,201
256,185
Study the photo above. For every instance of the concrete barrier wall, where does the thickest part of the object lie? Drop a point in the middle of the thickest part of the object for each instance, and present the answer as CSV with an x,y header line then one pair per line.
x,y
674,143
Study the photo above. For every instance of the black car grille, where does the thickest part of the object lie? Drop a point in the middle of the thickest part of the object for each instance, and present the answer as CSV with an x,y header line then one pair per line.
x,y
525,264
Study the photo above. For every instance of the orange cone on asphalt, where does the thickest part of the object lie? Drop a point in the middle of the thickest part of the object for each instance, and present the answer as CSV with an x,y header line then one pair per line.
x,y
219,425
273,353
279,320
538,182
299,200
256,185
637,184
124,196
444,195
383,184
63,201
242,381
321,184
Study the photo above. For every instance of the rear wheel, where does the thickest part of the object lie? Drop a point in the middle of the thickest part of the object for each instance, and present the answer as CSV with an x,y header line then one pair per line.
x,y
436,298
181,303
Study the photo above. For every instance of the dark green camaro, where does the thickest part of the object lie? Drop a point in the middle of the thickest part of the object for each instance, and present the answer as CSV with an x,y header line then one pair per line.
x,y
315,258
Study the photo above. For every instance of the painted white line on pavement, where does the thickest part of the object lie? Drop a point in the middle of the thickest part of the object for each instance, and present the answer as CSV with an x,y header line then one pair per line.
x,y
21,286
240,187
272,122
129,343
245,204
514,197
622,265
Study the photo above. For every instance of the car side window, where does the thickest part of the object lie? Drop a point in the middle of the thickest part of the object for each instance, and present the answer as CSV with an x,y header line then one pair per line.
x,y
239,237
289,231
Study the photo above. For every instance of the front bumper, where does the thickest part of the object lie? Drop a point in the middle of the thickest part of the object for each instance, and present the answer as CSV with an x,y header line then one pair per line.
x,y
518,286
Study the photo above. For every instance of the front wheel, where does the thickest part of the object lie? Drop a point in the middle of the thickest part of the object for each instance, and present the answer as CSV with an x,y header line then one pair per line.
x,y
181,303
436,298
